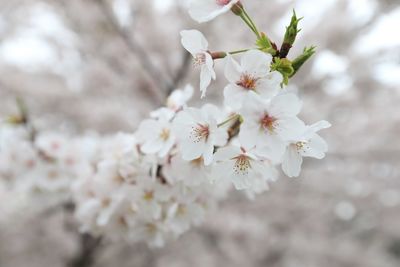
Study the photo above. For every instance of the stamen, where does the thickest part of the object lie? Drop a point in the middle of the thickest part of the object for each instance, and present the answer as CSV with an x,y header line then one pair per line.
x,y
268,122
242,165
199,132
164,135
301,146
247,81
199,59
148,195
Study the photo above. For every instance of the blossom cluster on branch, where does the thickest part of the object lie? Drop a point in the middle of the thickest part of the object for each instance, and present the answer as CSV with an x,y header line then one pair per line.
x,y
154,184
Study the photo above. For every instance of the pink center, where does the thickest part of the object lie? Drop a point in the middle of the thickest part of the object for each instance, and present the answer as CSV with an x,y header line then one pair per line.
x,y
242,164
199,59
222,2
247,81
268,122
200,132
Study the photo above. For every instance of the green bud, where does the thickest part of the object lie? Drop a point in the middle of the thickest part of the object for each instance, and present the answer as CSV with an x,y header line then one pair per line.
x,y
292,30
300,60
284,66
290,36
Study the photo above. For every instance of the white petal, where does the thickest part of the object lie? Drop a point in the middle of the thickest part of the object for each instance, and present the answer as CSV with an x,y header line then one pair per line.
x,y
221,171
232,70
315,148
194,41
191,150
271,147
205,80
269,86
292,161
210,65
289,128
152,146
320,125
234,96
249,135
285,105
219,137
226,153
206,10
147,129
256,63
208,154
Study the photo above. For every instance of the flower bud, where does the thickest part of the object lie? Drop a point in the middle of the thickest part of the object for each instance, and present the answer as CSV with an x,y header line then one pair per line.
x,y
237,9
290,36
300,60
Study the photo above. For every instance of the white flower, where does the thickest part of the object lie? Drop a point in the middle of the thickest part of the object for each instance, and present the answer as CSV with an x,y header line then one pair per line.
x,y
198,132
308,144
252,75
175,102
197,45
269,124
206,10
191,173
179,97
155,136
244,167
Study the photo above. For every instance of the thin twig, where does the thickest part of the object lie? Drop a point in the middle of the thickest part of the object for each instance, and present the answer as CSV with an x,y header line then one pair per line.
x,y
89,246
181,72
153,72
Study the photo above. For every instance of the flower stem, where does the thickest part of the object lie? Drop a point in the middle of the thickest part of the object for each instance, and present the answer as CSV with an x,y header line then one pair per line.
x,y
239,51
251,22
248,23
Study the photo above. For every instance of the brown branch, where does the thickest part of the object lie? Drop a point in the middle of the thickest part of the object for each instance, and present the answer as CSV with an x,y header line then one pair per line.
x,y
181,72
89,246
153,72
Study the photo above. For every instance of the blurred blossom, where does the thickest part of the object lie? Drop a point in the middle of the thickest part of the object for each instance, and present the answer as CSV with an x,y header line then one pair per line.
x,y
345,210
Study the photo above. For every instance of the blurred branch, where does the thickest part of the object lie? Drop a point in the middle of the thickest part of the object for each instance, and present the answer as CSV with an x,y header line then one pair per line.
x,y
181,72
151,69
87,252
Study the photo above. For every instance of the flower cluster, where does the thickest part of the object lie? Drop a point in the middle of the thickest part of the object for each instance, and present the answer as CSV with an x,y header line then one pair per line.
x,y
156,183
129,197
50,163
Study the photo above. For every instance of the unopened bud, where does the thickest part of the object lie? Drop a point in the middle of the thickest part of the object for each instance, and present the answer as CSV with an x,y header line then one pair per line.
x,y
237,9
300,60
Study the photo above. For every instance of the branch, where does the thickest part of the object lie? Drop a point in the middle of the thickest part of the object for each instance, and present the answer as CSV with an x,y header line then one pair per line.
x,y
181,72
87,252
153,72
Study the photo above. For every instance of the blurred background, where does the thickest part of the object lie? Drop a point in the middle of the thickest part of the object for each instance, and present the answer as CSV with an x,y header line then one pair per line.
x,y
102,65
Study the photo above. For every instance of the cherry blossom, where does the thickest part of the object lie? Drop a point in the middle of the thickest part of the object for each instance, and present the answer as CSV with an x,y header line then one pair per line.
x,y
198,133
156,136
252,75
206,10
245,168
308,144
197,45
270,124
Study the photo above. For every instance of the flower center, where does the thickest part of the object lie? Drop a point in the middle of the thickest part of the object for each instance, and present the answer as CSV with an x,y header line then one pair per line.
x,y
197,163
247,81
199,59
242,165
268,122
164,135
200,132
301,146
148,195
222,2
